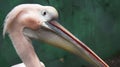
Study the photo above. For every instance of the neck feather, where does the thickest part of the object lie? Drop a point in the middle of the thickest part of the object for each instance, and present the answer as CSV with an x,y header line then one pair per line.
x,y
24,49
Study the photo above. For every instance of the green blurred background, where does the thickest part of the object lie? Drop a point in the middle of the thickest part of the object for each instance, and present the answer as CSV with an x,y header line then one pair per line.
x,y
95,22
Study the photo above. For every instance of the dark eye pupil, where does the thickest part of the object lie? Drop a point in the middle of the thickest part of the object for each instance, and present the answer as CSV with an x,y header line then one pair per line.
x,y
44,13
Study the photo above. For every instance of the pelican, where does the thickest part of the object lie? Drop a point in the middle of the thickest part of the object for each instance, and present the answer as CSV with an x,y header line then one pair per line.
x,y
34,21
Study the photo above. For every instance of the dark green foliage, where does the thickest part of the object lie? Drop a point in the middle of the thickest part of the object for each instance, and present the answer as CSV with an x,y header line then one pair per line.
x,y
95,22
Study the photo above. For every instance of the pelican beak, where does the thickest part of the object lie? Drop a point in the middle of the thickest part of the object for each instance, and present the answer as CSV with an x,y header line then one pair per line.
x,y
55,34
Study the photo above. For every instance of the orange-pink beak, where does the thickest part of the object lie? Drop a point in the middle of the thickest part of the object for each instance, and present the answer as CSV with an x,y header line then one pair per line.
x,y
53,33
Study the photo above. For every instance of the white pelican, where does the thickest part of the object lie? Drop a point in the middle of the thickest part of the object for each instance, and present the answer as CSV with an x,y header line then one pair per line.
x,y
35,21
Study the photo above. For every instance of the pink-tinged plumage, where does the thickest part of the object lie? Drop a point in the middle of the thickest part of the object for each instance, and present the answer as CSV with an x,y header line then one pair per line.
x,y
28,21
25,15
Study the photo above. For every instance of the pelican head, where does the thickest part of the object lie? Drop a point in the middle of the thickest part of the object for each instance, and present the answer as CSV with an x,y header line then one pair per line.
x,y
39,22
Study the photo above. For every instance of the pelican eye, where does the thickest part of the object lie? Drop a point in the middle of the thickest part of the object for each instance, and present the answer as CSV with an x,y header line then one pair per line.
x,y
44,13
